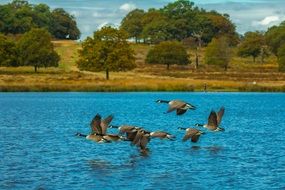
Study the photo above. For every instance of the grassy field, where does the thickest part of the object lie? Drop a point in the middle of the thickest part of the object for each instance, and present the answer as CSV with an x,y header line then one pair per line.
x,y
242,75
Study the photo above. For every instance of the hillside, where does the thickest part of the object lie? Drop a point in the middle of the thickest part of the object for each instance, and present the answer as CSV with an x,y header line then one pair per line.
x,y
243,75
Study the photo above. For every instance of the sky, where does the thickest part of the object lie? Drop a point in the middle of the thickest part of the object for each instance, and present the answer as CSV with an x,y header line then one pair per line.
x,y
91,15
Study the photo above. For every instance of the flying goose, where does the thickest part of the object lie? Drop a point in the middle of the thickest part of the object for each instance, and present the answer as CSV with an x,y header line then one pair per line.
x,y
99,129
180,106
214,120
130,131
162,135
191,133
94,137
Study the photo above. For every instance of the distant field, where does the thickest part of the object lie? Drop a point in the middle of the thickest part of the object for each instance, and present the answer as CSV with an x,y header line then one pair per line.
x,y
243,75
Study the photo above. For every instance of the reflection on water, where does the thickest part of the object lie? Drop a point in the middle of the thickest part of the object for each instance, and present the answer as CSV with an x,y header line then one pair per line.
x,y
211,149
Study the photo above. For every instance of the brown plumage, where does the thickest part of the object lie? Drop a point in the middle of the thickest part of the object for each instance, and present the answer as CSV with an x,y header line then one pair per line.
x,y
191,133
162,135
180,106
99,126
214,120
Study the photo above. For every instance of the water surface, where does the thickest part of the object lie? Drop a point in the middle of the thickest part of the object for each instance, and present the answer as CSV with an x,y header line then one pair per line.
x,y
39,150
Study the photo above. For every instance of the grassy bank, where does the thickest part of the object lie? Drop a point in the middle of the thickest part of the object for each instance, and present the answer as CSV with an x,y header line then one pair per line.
x,y
243,75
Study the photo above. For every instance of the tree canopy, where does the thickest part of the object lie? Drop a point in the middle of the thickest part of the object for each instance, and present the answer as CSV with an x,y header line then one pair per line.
x,y
218,53
168,53
19,17
35,49
177,21
252,45
275,37
8,54
108,50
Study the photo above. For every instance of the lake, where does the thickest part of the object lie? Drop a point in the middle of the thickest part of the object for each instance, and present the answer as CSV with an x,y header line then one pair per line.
x,y
39,149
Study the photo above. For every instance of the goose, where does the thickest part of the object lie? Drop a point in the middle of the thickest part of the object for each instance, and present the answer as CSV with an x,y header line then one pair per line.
x,y
94,137
99,129
191,133
100,126
141,140
180,106
214,121
129,130
162,135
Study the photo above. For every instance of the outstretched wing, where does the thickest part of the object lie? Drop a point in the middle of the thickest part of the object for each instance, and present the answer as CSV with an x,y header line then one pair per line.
x,y
105,123
189,134
143,141
195,138
180,111
95,124
175,104
212,120
220,115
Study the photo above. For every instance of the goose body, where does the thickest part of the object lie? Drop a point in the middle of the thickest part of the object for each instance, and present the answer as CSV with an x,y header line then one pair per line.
x,y
214,120
180,106
191,133
162,135
94,137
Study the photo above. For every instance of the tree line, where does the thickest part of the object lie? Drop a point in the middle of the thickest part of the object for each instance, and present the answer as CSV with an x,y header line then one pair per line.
x,y
178,21
109,50
34,48
19,17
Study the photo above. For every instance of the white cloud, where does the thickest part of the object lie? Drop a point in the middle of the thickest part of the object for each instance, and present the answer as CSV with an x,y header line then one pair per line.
x,y
127,7
102,25
268,20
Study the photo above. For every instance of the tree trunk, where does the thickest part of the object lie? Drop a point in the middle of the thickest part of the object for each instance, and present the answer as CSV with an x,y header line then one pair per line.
x,y
197,61
168,66
36,68
226,67
253,59
107,74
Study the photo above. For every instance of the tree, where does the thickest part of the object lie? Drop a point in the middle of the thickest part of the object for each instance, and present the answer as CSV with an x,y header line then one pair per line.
x,y
108,50
218,53
275,37
281,58
252,45
63,25
35,49
19,17
132,23
7,52
168,53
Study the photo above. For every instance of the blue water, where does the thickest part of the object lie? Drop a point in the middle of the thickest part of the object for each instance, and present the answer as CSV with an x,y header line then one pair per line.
x,y
38,149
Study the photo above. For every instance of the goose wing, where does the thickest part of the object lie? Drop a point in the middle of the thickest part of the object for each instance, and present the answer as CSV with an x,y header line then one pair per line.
x,y
138,137
105,123
195,138
175,104
190,132
95,124
212,120
143,141
131,135
180,111
220,115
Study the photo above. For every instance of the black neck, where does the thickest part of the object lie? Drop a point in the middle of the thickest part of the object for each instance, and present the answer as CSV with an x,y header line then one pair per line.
x,y
80,135
163,101
113,126
182,128
199,125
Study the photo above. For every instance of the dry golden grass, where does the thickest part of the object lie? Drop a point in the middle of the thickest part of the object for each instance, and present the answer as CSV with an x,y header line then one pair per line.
x,y
243,75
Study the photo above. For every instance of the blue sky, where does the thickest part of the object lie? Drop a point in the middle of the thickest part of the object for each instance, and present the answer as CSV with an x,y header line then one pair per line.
x,y
248,15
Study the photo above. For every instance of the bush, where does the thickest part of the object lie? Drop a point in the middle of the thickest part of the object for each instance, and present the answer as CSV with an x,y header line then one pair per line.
x,y
168,53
